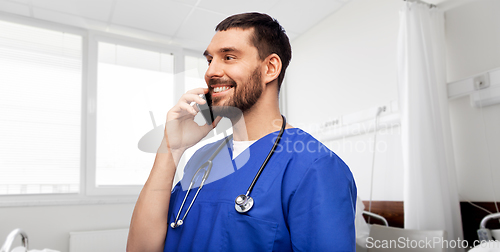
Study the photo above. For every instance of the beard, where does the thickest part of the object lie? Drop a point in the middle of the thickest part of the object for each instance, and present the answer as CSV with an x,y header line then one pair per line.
x,y
244,96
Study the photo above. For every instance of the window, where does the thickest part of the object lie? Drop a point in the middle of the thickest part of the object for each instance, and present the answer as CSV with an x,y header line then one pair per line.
x,y
195,68
62,89
135,90
40,110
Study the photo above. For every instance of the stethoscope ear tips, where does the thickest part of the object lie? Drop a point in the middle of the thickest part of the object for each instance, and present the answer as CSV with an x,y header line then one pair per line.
x,y
243,203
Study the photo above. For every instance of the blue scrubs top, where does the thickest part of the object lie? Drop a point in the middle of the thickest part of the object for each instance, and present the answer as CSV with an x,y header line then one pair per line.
x,y
304,200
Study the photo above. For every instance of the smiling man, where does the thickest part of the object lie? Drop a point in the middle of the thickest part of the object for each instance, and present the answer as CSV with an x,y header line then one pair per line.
x,y
267,187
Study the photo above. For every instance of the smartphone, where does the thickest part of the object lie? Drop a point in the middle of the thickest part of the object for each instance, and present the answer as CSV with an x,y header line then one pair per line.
x,y
206,109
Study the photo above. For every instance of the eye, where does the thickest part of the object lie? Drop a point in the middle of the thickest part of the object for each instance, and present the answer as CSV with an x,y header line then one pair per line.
x,y
228,57
209,61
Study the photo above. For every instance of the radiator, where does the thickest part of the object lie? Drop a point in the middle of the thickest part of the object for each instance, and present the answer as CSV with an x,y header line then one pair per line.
x,y
98,241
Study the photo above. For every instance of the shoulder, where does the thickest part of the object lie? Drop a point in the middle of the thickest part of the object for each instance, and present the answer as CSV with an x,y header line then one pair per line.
x,y
306,150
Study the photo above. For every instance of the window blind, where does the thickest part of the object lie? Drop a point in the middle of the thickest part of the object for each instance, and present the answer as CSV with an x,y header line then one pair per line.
x,y
40,110
134,94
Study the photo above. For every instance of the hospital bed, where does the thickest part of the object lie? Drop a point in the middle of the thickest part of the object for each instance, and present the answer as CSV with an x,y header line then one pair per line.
x,y
363,228
490,238
376,216
485,234
371,233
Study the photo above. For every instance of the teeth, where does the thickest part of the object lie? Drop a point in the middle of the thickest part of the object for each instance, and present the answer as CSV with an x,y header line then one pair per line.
x,y
221,89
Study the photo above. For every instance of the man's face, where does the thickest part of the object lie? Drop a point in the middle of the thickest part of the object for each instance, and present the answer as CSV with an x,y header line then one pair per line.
x,y
234,72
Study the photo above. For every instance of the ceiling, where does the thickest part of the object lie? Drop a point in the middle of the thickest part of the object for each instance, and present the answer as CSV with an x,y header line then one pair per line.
x,y
186,23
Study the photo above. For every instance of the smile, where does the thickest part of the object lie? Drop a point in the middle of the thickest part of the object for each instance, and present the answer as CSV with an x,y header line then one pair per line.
x,y
221,89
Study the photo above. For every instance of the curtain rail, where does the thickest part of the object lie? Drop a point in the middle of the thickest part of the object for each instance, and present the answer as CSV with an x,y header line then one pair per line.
x,y
422,2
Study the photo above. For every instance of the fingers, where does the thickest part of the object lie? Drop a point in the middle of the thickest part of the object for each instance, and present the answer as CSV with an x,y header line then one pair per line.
x,y
193,95
189,98
196,108
187,104
188,108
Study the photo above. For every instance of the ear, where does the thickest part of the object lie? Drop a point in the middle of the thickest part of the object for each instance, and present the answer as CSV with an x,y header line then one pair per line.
x,y
272,68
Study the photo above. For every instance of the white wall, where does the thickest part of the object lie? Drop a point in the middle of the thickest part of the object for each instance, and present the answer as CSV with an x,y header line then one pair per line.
x,y
49,226
345,64
473,42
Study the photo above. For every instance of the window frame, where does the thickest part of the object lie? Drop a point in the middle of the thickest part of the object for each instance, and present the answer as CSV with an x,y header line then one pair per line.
x,y
91,98
89,193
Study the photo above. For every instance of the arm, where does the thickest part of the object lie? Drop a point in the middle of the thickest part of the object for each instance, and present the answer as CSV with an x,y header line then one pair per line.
x,y
148,226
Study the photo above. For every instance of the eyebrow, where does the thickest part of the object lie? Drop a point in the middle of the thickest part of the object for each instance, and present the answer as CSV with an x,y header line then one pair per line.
x,y
229,49
222,50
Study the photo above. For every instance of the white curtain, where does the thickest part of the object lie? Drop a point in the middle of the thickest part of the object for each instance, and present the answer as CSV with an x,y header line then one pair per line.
x,y
431,197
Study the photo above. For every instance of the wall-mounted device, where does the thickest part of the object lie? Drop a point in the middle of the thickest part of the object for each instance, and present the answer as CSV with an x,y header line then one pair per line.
x,y
483,89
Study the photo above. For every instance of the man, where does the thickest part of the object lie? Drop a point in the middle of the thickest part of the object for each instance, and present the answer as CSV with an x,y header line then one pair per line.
x,y
304,199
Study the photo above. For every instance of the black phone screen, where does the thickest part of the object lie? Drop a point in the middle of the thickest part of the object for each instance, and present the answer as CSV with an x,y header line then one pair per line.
x,y
206,109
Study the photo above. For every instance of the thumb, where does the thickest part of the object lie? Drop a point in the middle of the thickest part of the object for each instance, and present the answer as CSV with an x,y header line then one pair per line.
x,y
216,121
209,127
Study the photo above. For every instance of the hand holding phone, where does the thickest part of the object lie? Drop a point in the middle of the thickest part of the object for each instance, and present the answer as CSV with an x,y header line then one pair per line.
x,y
206,109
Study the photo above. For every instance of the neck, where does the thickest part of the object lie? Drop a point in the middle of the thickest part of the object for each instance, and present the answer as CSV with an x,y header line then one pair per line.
x,y
263,118
251,127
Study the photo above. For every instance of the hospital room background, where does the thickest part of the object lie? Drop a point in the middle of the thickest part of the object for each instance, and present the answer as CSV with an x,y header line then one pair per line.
x,y
85,87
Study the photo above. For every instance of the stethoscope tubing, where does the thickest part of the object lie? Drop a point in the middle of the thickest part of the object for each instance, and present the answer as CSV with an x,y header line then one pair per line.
x,y
243,207
276,142
191,184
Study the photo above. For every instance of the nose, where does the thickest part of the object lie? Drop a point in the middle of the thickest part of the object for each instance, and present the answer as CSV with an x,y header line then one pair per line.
x,y
214,70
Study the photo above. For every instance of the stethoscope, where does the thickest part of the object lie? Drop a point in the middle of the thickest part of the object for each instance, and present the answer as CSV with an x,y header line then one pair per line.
x,y
244,202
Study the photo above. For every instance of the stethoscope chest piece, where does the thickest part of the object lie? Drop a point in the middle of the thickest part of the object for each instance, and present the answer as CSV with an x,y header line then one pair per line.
x,y
243,203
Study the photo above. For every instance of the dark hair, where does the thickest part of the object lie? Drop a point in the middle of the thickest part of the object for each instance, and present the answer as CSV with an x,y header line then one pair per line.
x,y
269,36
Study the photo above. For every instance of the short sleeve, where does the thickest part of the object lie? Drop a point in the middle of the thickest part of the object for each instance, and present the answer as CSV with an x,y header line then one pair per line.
x,y
322,209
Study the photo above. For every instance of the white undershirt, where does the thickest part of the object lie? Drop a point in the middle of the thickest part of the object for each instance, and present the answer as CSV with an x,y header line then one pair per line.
x,y
240,146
